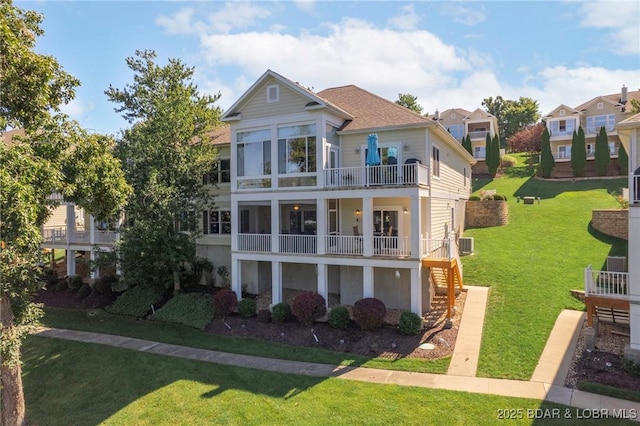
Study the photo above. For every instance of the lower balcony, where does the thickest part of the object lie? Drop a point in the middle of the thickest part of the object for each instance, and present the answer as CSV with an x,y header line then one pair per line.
x,y
63,235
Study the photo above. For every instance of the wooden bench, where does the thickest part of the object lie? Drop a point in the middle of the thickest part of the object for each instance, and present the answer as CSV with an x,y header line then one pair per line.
x,y
529,200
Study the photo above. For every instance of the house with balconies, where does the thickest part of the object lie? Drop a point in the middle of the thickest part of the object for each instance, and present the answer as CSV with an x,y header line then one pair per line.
x,y
477,124
343,193
602,111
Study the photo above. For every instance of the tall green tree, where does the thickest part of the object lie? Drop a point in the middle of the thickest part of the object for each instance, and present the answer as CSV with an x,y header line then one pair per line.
x,y
512,116
165,153
409,101
44,160
493,154
601,154
466,143
578,152
547,162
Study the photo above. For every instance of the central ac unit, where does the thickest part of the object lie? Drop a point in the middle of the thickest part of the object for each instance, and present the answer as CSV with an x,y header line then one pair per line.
x,y
465,245
616,263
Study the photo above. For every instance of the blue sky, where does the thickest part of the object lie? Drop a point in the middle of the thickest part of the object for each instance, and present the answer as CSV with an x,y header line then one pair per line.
x,y
448,54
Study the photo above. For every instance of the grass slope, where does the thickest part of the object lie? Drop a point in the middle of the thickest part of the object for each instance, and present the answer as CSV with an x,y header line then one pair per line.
x,y
88,384
532,263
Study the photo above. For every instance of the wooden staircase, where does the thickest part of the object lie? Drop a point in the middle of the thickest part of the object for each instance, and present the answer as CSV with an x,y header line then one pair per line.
x,y
446,273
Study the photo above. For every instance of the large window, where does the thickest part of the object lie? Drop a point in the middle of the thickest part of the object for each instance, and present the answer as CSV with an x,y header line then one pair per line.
x,y
254,153
594,123
297,149
436,161
186,221
216,222
562,127
479,151
457,131
221,173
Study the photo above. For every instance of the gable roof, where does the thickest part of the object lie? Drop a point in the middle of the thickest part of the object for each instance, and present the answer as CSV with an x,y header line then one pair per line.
x,y
370,111
614,99
480,111
315,102
559,107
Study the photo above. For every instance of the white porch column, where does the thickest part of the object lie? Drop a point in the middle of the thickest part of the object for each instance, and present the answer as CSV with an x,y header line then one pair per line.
x,y
71,223
236,276
71,262
367,281
276,282
367,226
92,231
321,221
275,226
323,285
416,290
95,272
416,227
235,219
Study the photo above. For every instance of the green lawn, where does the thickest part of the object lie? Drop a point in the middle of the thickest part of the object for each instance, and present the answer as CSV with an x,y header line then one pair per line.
x,y
86,384
532,263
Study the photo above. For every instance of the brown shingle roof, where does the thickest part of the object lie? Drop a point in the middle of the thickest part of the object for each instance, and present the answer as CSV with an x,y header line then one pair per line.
x,y
370,111
7,136
221,135
613,98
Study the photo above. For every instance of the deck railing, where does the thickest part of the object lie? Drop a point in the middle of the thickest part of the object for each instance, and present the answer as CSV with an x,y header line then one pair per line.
x,y
605,283
401,174
344,244
58,235
391,246
478,134
437,248
301,244
254,242
54,235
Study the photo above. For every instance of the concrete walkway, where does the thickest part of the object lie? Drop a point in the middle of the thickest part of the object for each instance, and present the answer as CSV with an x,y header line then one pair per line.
x,y
546,383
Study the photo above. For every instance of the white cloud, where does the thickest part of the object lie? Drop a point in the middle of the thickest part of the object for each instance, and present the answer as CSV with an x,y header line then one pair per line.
x,y
620,18
232,16
76,109
406,20
464,14
306,5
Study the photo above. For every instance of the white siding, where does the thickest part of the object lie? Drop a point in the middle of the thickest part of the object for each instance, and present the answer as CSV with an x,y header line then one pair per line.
x,y
290,102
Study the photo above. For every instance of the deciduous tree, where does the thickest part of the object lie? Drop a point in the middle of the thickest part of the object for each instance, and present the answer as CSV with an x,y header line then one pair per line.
x,y
165,153
512,115
527,140
53,155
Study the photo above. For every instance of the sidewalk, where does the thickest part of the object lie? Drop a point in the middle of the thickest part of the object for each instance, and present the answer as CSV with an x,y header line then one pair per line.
x,y
546,383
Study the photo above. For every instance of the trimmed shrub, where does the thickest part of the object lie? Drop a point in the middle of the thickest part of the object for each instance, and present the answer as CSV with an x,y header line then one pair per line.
x,y
280,313
508,161
247,308
50,277
224,302
410,324
475,198
369,313
61,285
136,301
190,309
74,282
104,285
264,316
499,197
339,317
307,307
83,291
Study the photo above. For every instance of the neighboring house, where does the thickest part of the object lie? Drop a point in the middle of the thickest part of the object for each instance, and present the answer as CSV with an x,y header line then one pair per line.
x,y
308,213
601,111
477,124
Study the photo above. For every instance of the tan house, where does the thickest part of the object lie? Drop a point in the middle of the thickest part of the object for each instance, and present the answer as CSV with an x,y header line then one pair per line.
x,y
343,193
601,111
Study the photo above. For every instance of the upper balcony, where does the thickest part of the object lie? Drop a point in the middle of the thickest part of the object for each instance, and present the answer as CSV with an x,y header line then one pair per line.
x,y
478,134
63,235
377,176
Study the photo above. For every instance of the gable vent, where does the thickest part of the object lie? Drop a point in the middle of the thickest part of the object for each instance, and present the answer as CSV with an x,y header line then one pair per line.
x,y
273,93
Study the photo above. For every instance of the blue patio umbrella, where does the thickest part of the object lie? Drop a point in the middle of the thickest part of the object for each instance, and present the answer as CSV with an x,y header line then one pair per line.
x,y
373,157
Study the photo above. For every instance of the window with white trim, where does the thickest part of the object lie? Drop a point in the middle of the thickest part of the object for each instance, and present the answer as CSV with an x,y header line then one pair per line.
x,y
221,173
595,122
435,155
297,149
186,221
254,153
479,151
216,222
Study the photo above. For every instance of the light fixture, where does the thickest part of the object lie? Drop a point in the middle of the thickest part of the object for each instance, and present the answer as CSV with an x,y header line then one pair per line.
x,y
357,212
405,147
296,207
406,211
357,150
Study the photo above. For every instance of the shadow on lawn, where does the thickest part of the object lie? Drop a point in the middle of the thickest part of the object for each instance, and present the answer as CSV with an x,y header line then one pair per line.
x,y
546,189
619,247
89,383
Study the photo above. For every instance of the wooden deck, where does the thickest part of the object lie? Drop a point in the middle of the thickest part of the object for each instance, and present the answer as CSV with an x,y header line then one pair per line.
x,y
596,303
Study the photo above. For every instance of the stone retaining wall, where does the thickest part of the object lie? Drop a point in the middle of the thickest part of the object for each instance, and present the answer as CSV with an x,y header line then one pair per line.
x,y
483,214
611,222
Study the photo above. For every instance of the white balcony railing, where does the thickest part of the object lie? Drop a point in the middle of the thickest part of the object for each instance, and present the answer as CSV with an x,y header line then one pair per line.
x,y
402,174
254,242
344,244
478,134
437,249
634,190
105,237
300,244
605,283
78,236
391,246
54,235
